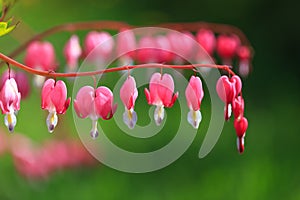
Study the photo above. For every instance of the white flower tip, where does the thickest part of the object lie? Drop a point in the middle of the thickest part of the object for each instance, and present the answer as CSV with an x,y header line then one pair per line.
x,y
130,118
10,121
94,132
194,118
159,114
51,121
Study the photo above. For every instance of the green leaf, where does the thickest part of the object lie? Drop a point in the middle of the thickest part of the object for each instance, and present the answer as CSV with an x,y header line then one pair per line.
x,y
3,28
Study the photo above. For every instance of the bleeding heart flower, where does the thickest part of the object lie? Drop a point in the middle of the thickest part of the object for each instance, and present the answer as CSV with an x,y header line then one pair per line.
x,y
126,46
244,56
228,89
147,50
10,103
194,95
240,125
206,38
165,54
54,99
128,95
98,47
227,46
41,56
238,107
94,103
21,80
182,46
161,94
72,53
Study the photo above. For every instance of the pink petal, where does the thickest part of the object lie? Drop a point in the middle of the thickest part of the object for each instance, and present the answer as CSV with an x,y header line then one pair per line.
x,y
84,102
46,92
59,96
237,84
224,89
153,87
166,89
103,102
194,93
128,92
10,96
240,125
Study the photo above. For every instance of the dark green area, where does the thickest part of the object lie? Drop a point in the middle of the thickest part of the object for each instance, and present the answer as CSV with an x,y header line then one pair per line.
x,y
269,168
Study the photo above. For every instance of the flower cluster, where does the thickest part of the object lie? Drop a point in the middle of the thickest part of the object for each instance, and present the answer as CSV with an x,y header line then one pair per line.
x,y
229,90
179,48
173,47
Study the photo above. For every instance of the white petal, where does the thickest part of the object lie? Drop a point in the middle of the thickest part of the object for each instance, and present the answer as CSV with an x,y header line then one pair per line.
x,y
194,118
130,118
10,121
229,111
94,132
51,121
159,114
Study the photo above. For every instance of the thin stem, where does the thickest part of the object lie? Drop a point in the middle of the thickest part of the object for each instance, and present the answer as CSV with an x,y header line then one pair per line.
x,y
93,73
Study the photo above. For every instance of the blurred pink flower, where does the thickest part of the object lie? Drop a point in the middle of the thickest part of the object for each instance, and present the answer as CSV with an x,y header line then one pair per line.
x,y
206,38
10,99
94,103
244,56
126,46
128,95
147,50
194,95
41,56
160,94
54,99
72,53
98,47
227,46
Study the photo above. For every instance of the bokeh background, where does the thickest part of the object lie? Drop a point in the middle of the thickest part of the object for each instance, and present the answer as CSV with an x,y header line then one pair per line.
x,y
269,168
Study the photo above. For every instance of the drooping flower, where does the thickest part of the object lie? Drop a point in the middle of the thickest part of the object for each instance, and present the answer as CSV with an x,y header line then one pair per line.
x,y
98,47
194,95
182,46
206,38
227,46
21,80
238,107
95,104
240,125
128,95
72,53
244,56
147,50
161,94
10,103
165,54
228,89
41,56
126,44
54,99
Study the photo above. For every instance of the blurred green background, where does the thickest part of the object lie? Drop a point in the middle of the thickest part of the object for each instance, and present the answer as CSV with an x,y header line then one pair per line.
x,y
269,168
